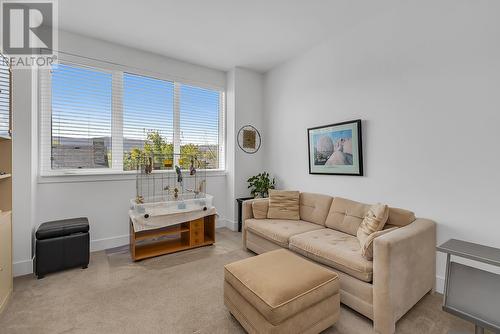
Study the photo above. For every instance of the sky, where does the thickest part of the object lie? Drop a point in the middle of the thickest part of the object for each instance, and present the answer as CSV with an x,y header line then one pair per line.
x,y
82,106
334,135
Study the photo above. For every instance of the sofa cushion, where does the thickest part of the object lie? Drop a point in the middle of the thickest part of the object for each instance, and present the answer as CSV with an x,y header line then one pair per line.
x,y
314,207
283,204
373,222
279,230
346,215
375,219
260,207
280,284
336,249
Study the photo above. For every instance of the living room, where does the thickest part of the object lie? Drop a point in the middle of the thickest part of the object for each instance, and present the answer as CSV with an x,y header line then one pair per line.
x,y
166,166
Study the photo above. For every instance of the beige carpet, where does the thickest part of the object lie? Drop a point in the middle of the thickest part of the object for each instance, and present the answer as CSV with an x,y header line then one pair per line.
x,y
177,293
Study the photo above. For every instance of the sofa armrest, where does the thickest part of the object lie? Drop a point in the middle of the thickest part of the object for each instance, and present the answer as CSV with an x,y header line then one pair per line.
x,y
247,213
404,270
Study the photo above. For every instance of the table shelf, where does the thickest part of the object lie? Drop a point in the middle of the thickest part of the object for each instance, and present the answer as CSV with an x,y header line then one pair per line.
x,y
471,251
171,239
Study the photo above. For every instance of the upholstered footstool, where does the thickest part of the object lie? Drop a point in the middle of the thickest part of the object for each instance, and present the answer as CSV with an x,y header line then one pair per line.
x,y
62,244
280,292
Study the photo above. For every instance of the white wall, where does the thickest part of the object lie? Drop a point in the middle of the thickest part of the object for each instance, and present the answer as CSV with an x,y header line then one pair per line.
x,y
23,165
104,200
245,106
133,58
231,142
250,111
424,77
106,205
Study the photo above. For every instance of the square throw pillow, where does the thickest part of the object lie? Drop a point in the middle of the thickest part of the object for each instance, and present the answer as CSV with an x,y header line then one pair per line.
x,y
283,204
259,208
374,221
367,247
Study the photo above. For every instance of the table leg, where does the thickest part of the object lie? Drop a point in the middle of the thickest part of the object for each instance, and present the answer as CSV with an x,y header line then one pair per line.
x,y
446,278
479,330
240,209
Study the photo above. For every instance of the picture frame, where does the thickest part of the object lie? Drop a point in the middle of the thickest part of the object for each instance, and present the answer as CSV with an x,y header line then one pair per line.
x,y
336,149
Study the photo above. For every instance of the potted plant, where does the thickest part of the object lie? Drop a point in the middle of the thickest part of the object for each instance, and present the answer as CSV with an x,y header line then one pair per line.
x,y
260,184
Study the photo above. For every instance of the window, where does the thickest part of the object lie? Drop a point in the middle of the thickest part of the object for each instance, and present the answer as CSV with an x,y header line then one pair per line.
x,y
4,98
199,123
148,111
95,120
81,118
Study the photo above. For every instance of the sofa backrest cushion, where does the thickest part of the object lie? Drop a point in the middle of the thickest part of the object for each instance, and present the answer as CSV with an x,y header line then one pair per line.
x,y
283,204
314,207
400,217
346,215
260,207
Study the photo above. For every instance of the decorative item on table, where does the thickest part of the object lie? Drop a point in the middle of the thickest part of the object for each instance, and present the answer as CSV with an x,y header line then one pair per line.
x,y
249,139
201,187
168,163
170,189
336,149
192,168
260,184
148,168
179,174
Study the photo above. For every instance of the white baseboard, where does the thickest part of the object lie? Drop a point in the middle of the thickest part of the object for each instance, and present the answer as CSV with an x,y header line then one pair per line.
x,y
222,222
106,243
25,267
439,284
21,268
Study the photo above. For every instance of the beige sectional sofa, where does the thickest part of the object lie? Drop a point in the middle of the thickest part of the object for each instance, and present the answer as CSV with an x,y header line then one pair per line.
x,y
384,289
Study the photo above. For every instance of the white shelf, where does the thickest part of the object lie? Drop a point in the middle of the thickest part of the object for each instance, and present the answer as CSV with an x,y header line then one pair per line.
x,y
5,176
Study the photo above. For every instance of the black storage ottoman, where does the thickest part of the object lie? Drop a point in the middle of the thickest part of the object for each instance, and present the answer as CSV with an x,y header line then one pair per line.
x,y
62,244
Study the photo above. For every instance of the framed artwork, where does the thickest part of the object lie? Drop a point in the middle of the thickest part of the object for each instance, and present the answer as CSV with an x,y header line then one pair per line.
x,y
336,149
249,139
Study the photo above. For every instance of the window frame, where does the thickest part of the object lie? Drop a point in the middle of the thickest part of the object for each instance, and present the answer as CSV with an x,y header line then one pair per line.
x,y
117,72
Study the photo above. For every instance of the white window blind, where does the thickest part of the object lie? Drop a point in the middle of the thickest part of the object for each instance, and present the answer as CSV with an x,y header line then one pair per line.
x,y
148,111
199,123
81,118
4,98
96,120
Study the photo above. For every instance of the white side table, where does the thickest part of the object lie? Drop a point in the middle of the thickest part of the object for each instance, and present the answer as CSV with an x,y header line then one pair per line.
x,y
470,293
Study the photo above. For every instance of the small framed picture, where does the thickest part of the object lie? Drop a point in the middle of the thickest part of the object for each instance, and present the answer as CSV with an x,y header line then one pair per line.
x,y
336,149
249,138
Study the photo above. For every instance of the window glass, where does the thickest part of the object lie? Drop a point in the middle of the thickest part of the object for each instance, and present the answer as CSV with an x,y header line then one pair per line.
x,y
81,118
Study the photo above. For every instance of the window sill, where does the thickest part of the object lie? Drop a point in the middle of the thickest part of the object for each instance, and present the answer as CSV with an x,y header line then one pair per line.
x,y
102,176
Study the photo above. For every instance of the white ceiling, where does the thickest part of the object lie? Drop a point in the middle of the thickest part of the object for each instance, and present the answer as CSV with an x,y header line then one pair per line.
x,y
256,34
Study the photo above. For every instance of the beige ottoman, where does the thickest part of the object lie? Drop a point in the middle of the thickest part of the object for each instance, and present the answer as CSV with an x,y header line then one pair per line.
x,y
280,292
